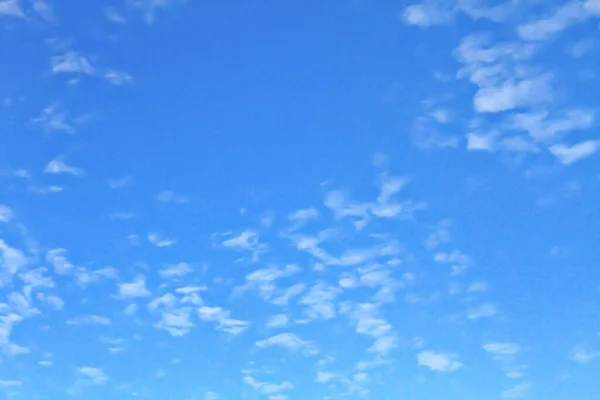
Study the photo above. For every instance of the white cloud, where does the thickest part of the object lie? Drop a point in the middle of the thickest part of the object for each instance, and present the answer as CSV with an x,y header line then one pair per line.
x,y
426,14
167,301
272,273
484,310
325,376
513,94
12,349
72,63
543,129
176,322
519,391
176,270
169,196
113,15
584,356
581,48
131,309
232,326
247,240
299,218
437,12
441,362
54,301
117,77
136,288
11,259
383,345
277,321
477,287
289,341
46,189
53,118
288,294
149,8
427,135
9,383
570,154
564,16
11,8
206,313
86,277
502,348
120,182
94,375
58,166
211,396
272,390
160,241
320,301
481,142
58,259
44,10
244,241
454,257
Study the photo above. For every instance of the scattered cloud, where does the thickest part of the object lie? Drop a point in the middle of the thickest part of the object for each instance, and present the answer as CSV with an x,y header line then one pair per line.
x,y
6,213
117,77
583,356
277,321
76,65
440,362
485,310
136,288
501,348
9,383
289,341
150,8
160,241
519,391
44,10
54,119
120,182
176,270
568,155
72,63
113,15
11,8
94,375
169,196
58,166
547,27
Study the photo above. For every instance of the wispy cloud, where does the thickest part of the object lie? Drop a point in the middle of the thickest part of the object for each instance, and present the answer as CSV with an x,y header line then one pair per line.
x,y
583,356
58,166
113,15
72,63
120,182
11,8
160,241
289,341
54,119
568,155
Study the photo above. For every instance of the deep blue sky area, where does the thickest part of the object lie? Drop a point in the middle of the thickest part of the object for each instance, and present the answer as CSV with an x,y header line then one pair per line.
x,y
299,200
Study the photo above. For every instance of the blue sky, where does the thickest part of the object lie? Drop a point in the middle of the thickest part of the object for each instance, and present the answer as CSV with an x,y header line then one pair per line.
x,y
299,200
